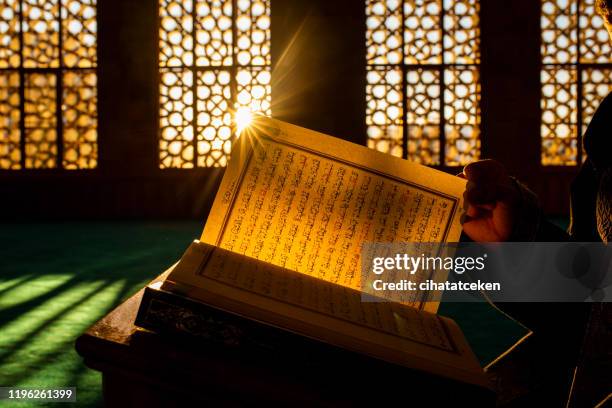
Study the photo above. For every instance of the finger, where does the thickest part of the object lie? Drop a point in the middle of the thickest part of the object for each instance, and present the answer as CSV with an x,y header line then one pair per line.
x,y
474,216
476,231
478,211
483,193
472,211
484,170
488,207
480,193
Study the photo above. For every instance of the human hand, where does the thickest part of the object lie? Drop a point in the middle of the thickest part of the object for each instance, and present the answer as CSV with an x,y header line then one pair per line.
x,y
493,201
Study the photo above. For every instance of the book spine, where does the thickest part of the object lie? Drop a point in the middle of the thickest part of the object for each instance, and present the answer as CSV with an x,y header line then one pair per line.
x,y
165,312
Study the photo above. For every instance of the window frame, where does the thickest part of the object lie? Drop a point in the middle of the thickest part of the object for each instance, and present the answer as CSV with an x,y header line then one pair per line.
x,y
579,67
58,73
128,183
194,69
440,68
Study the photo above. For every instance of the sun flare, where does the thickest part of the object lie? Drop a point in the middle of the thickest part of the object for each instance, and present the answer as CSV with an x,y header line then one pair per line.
x,y
243,119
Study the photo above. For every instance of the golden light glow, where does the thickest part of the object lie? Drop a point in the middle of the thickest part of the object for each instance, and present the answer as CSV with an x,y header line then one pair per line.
x,y
53,43
215,73
243,119
575,78
422,79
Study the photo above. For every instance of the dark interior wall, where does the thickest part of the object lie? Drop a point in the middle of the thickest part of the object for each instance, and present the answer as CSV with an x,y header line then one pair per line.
x,y
318,49
318,58
510,75
127,92
511,91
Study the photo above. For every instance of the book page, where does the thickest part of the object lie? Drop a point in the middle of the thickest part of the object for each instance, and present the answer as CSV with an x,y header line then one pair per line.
x,y
318,295
322,310
307,202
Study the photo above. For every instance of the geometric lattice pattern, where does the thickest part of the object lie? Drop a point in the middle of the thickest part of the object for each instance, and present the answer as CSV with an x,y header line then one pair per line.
x,y
423,32
48,92
559,24
253,89
253,32
423,116
213,36
461,32
596,84
40,34
594,38
10,151
79,114
79,33
575,75
214,121
214,62
384,111
559,115
423,89
176,117
176,26
9,34
40,120
462,112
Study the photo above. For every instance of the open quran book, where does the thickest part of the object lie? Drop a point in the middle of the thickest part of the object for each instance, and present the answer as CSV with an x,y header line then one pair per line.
x,y
282,247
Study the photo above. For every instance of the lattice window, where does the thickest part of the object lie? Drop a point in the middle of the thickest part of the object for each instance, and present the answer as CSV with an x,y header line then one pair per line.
x,y
576,75
48,94
423,88
214,69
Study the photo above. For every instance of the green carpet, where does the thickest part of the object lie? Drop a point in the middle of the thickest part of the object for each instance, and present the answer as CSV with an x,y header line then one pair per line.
x,y
57,279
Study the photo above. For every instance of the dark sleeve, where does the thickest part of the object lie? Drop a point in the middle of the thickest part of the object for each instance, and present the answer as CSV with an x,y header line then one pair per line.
x,y
549,232
583,204
597,142
531,224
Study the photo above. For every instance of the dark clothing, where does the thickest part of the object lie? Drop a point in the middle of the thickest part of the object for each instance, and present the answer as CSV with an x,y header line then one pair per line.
x,y
583,195
552,352
597,144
